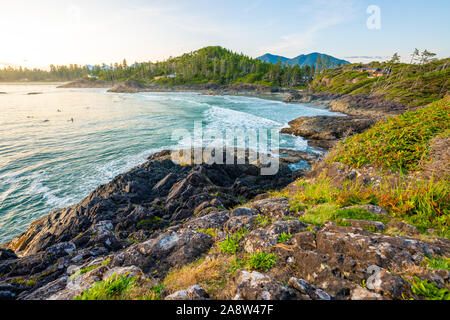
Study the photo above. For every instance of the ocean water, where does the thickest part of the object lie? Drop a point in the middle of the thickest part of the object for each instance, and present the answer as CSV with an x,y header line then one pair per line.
x,y
48,161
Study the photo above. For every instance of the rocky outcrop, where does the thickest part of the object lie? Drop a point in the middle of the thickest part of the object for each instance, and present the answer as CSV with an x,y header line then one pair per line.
x,y
359,105
127,217
363,111
129,86
257,286
195,292
325,132
211,88
88,83
315,263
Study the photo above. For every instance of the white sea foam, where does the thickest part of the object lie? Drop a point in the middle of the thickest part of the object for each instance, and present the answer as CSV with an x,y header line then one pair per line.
x,y
222,118
37,187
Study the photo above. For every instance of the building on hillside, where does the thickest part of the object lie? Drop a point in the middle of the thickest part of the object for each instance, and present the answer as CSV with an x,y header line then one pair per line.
x,y
374,72
165,77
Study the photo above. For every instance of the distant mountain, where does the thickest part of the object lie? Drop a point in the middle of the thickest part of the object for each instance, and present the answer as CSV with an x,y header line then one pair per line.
x,y
304,59
271,58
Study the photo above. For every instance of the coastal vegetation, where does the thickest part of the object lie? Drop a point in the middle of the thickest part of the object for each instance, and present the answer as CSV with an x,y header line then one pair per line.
x,y
399,143
412,84
209,64
56,73
401,149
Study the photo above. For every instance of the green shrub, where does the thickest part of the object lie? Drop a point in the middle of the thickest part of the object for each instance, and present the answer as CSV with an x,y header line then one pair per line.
x,y
262,261
429,290
231,244
210,231
425,204
115,288
399,143
438,263
320,214
236,264
297,206
284,237
316,193
330,212
263,221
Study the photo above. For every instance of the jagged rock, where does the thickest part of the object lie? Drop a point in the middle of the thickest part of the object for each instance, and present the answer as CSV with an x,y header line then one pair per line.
x,y
258,286
195,292
166,251
164,185
177,201
288,227
324,131
381,250
61,249
100,234
243,211
273,207
48,290
263,239
306,288
7,254
238,222
140,217
259,240
305,240
214,220
387,284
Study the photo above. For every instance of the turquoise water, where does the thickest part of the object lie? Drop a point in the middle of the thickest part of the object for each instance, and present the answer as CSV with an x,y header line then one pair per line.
x,y
49,162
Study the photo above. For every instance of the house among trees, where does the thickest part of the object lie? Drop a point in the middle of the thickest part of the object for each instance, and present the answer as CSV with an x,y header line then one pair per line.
x,y
374,72
165,77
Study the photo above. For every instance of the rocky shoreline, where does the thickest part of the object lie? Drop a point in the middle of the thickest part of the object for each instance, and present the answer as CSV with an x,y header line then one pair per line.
x,y
150,200
160,215
131,86
362,111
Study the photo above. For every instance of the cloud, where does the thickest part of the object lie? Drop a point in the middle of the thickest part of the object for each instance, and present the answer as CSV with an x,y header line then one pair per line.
x,y
318,15
366,57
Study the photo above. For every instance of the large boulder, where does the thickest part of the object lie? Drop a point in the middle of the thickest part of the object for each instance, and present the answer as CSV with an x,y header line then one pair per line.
x,y
257,286
195,292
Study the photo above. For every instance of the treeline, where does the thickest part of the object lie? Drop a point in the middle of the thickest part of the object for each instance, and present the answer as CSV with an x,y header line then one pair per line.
x,y
56,73
210,64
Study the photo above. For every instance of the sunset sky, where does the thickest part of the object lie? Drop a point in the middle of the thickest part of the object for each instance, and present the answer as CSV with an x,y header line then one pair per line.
x,y
38,33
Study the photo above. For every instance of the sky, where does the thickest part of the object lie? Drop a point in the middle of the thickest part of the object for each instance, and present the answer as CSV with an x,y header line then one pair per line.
x,y
40,33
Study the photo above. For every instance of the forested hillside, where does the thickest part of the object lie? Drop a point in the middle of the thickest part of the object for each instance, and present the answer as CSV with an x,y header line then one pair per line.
x,y
210,64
